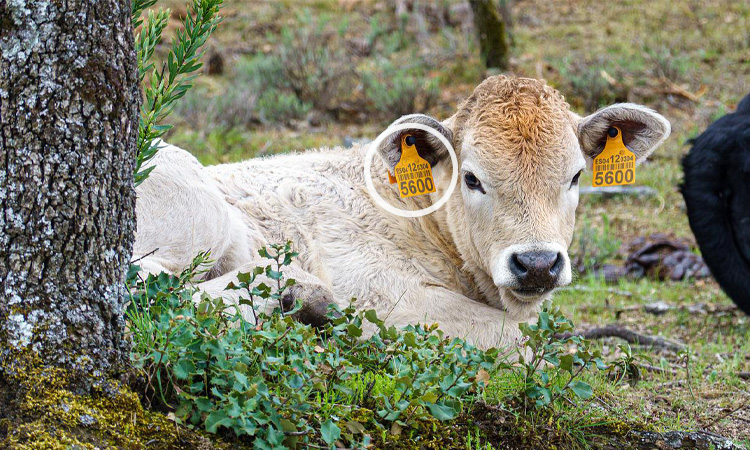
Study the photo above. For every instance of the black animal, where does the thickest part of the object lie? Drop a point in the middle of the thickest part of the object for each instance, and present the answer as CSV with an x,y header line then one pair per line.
x,y
717,195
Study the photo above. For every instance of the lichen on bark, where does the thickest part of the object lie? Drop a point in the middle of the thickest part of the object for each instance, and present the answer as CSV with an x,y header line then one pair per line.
x,y
69,101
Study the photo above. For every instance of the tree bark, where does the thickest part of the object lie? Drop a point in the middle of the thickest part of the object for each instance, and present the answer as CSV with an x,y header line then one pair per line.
x,y
491,30
69,101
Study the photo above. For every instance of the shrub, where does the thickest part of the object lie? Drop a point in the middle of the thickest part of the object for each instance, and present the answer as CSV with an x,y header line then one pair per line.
x,y
395,91
315,64
275,107
584,86
257,94
278,383
555,359
281,381
667,63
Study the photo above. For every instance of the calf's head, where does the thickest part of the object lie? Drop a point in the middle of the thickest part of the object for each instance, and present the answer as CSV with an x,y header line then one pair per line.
x,y
520,151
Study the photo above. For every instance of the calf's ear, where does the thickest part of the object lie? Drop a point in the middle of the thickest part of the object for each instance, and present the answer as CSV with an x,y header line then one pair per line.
x,y
642,129
428,145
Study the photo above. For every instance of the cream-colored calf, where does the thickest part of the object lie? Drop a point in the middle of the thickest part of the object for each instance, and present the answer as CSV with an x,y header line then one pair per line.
x,y
478,266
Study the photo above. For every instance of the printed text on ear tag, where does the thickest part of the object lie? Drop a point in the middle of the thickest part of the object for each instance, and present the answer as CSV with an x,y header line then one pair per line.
x,y
615,165
413,173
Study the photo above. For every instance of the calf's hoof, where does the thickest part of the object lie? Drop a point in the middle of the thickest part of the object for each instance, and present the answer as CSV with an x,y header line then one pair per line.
x,y
315,300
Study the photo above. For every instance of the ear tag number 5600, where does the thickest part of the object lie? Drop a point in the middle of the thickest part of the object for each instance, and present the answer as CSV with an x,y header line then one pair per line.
x,y
615,165
413,173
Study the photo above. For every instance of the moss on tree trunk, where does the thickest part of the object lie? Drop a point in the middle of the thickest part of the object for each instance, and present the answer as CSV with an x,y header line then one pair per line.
x,y
490,28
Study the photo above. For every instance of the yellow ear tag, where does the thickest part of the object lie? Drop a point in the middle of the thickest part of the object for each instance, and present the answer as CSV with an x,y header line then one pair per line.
x,y
413,173
615,165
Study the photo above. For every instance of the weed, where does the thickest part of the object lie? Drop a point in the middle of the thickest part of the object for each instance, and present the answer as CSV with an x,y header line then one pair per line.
x,y
396,91
585,86
596,245
555,359
666,64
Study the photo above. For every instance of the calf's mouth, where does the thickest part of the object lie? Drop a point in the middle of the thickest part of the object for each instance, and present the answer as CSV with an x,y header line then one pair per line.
x,y
531,295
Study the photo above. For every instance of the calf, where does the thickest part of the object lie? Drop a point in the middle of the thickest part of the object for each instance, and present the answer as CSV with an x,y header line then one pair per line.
x,y
717,196
478,266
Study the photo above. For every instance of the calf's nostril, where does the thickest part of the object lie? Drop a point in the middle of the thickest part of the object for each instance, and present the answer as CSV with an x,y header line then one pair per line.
x,y
517,267
557,266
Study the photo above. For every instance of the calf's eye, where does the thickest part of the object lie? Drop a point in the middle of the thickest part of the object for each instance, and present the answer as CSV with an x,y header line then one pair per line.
x,y
473,183
575,179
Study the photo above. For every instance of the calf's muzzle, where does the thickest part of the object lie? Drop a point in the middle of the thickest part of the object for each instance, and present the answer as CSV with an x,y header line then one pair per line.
x,y
536,271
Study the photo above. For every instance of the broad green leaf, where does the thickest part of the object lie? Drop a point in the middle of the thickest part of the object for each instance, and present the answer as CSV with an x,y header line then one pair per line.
x,y
330,432
566,362
184,369
581,389
441,411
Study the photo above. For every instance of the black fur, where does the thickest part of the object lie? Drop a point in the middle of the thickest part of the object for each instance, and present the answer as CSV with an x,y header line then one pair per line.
x,y
717,196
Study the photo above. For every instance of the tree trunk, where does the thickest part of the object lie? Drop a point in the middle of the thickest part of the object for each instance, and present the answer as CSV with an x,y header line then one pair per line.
x,y
69,101
493,38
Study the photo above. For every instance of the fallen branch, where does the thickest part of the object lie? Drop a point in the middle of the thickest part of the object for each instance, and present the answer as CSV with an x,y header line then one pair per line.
x,y
614,330
674,89
611,191
725,415
659,308
598,289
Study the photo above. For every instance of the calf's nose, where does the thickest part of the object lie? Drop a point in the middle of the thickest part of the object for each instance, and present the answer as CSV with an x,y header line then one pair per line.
x,y
537,269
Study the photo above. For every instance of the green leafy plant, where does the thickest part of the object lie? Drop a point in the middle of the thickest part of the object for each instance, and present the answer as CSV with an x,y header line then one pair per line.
x,y
278,382
170,82
625,368
554,359
432,374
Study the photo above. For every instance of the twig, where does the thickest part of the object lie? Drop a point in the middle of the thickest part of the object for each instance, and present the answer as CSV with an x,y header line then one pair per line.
x,y
598,289
295,433
611,191
656,369
672,383
614,330
145,256
724,416
674,89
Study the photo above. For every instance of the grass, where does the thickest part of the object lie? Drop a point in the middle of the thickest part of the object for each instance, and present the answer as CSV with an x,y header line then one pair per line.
x,y
706,381
648,48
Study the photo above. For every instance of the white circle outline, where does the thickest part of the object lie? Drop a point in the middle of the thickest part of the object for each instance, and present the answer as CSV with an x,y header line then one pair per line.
x,y
371,186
